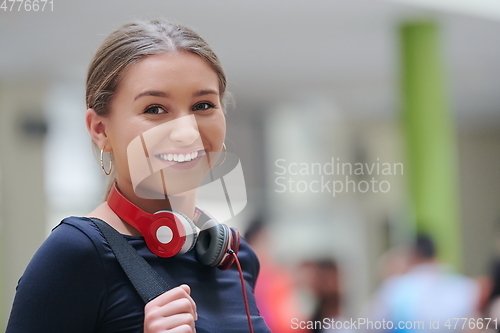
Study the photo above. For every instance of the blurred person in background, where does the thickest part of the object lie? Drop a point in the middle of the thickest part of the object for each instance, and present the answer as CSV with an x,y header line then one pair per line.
x,y
490,305
394,261
428,294
322,278
275,290
491,308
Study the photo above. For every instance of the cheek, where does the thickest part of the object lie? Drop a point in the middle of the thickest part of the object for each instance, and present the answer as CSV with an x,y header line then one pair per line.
x,y
120,139
120,152
120,135
220,126
213,130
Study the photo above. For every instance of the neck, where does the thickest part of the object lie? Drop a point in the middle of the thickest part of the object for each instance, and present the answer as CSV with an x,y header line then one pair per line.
x,y
183,202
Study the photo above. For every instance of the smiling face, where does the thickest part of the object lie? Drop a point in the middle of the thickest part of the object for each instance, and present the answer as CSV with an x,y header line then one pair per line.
x,y
166,125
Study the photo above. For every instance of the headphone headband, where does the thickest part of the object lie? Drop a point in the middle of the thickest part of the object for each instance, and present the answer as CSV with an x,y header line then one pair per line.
x,y
165,232
169,232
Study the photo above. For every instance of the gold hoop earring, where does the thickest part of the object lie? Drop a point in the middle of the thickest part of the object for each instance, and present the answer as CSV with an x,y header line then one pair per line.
x,y
107,173
225,154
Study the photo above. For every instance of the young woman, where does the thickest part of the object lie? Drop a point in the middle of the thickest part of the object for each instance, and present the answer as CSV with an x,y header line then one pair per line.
x,y
155,97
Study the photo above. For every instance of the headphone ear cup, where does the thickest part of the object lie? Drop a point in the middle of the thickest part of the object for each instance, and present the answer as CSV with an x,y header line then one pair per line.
x,y
190,230
229,260
212,243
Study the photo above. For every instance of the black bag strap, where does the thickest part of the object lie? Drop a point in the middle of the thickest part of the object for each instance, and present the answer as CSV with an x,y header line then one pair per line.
x,y
145,279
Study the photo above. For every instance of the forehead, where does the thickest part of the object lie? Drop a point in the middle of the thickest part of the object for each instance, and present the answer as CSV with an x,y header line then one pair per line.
x,y
169,71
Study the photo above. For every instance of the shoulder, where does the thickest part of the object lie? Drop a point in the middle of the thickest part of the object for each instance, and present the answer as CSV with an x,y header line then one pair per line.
x,y
63,288
74,241
76,225
79,235
70,256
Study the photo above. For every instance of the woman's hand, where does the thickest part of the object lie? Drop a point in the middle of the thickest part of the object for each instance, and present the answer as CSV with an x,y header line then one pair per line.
x,y
174,311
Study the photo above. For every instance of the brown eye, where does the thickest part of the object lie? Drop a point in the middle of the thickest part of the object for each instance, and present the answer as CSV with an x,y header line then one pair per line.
x,y
155,109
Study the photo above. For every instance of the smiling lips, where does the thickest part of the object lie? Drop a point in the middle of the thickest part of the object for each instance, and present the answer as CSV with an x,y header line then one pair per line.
x,y
181,158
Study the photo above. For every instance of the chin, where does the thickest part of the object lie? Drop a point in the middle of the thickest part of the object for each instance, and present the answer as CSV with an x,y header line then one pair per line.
x,y
166,183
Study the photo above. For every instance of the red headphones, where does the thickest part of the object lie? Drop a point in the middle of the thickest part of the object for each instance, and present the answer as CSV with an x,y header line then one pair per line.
x,y
168,233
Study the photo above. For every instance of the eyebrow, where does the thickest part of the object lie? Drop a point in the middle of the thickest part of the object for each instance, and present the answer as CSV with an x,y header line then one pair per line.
x,y
205,92
154,93
157,93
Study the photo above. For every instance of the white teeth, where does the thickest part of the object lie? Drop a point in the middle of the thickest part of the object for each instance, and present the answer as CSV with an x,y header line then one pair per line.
x,y
180,158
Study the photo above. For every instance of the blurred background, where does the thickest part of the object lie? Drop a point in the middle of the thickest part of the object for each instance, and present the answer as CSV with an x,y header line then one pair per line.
x,y
359,123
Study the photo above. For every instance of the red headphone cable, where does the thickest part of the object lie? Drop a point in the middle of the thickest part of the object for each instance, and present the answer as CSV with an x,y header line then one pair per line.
x,y
245,298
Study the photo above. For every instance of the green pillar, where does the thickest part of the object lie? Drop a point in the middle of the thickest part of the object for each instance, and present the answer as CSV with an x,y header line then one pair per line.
x,y
430,140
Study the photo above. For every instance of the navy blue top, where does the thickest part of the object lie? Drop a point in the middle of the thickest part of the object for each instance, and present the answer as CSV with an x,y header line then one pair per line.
x,y
74,284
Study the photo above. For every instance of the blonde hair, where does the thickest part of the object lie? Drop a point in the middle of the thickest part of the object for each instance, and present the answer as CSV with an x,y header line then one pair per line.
x,y
132,42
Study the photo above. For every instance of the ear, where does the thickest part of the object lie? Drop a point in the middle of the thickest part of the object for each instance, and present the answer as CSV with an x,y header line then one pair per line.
x,y
96,125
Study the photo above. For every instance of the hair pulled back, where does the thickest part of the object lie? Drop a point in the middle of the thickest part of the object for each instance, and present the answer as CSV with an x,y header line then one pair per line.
x,y
136,40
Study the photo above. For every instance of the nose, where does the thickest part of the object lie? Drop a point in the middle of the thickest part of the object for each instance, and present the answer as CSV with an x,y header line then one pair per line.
x,y
184,130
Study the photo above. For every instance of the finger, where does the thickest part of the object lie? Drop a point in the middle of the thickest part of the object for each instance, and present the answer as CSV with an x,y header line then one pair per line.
x,y
178,306
186,288
179,320
183,329
168,296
